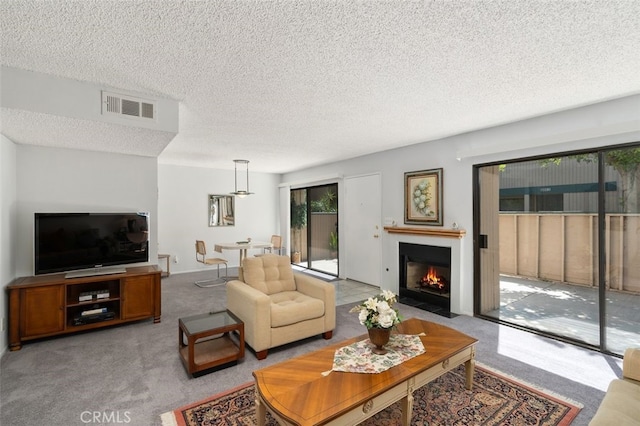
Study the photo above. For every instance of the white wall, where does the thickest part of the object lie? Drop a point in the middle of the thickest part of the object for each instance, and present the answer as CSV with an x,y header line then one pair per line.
x,y
8,236
607,123
183,207
48,179
48,94
64,180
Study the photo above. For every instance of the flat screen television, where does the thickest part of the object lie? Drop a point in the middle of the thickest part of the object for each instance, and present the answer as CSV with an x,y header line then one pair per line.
x,y
77,241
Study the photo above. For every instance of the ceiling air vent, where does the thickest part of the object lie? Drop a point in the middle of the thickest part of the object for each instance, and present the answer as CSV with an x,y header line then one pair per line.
x,y
128,106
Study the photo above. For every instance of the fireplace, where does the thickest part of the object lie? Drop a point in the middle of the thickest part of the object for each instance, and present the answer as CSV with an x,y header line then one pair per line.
x,y
425,277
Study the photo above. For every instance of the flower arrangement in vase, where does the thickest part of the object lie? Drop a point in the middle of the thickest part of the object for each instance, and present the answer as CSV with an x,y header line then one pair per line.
x,y
379,316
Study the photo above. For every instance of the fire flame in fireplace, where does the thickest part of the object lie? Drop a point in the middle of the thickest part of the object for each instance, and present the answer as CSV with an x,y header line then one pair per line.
x,y
432,280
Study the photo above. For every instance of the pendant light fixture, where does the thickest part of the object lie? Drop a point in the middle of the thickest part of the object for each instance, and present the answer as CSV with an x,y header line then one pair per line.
x,y
242,192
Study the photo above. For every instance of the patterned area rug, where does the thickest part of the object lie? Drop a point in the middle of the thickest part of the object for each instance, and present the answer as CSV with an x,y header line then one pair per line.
x,y
494,400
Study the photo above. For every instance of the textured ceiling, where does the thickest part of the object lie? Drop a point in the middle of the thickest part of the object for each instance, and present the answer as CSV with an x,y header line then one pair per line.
x,y
292,84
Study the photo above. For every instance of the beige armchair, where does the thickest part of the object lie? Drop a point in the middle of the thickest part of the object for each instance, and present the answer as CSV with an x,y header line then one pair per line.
x,y
278,305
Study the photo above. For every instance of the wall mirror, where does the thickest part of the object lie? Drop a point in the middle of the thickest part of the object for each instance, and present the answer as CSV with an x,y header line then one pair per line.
x,y
221,210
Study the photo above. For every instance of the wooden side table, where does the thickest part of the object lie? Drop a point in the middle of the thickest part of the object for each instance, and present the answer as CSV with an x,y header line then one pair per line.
x,y
207,341
167,258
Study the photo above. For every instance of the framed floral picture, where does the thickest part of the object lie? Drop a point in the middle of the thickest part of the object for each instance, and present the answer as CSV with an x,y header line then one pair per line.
x,y
423,197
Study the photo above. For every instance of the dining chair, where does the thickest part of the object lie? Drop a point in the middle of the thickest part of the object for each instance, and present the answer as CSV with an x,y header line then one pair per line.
x,y
201,256
276,245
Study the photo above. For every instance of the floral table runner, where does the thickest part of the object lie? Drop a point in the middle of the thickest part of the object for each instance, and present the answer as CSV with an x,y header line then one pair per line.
x,y
358,357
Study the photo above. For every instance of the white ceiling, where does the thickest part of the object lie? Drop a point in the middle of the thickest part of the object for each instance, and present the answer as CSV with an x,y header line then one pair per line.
x,y
292,84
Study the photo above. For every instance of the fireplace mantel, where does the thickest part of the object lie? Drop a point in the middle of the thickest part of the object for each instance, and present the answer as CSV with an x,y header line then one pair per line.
x,y
434,232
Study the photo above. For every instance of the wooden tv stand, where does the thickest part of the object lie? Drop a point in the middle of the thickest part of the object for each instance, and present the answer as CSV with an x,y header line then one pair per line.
x,y
51,305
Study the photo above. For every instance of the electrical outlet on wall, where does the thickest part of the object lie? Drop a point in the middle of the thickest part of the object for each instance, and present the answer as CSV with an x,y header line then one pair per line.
x,y
175,259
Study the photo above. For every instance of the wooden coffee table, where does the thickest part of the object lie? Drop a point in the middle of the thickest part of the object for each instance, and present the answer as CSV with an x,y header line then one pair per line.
x,y
296,393
209,342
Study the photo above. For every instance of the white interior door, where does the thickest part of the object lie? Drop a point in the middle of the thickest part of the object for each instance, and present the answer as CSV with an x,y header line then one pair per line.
x,y
363,228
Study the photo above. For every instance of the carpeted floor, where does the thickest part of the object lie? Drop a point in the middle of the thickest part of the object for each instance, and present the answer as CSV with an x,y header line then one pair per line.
x,y
134,371
494,400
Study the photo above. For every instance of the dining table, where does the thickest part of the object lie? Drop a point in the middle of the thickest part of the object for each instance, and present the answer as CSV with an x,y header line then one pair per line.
x,y
242,247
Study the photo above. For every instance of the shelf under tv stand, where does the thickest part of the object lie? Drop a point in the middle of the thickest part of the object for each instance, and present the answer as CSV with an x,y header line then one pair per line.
x,y
50,305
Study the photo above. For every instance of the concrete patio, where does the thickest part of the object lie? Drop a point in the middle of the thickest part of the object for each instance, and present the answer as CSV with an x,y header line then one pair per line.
x,y
569,311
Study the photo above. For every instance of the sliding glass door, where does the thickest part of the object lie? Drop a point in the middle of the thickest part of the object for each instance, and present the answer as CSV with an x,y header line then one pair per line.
x,y
314,228
621,247
558,246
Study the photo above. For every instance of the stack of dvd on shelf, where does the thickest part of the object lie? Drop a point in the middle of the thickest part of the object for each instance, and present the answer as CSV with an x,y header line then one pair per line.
x,y
95,314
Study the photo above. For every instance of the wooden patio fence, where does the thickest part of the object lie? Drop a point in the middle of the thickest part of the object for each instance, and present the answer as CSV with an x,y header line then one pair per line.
x,y
322,224
564,248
